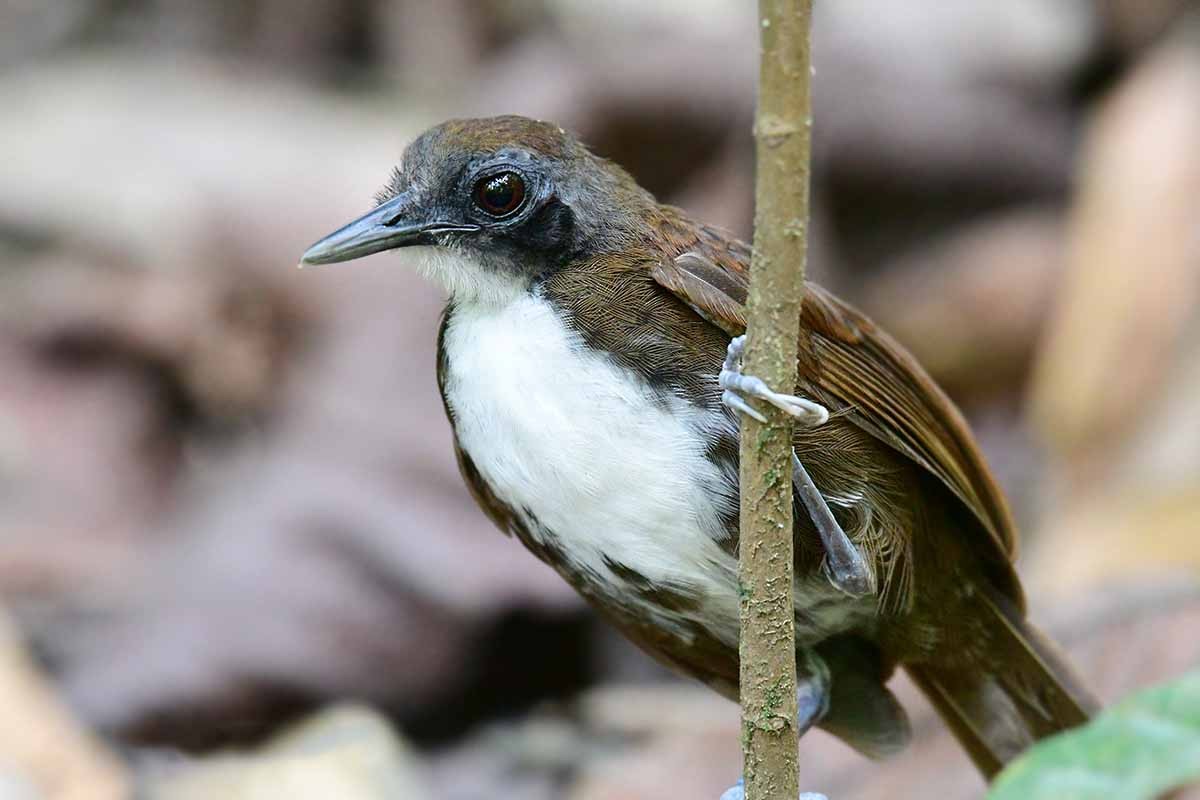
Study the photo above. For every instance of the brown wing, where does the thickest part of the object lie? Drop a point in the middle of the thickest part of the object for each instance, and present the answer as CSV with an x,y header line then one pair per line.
x,y
850,365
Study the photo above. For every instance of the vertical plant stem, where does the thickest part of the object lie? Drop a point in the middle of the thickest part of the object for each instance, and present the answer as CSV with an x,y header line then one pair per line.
x,y
782,133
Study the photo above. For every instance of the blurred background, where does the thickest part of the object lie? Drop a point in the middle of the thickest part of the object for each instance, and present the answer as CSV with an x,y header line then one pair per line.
x,y
236,558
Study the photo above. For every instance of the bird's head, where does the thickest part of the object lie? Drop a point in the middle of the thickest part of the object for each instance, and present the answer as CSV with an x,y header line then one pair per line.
x,y
489,206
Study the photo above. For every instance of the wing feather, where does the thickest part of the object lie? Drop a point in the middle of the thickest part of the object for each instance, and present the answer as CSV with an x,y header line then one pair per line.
x,y
850,365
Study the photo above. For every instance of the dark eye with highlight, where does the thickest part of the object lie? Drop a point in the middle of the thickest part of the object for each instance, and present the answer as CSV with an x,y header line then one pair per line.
x,y
499,195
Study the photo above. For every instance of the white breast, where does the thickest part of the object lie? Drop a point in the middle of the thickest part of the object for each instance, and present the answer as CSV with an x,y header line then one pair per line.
x,y
586,451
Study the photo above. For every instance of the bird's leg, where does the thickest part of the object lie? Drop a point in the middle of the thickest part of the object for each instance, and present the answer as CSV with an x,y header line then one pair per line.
x,y
844,564
847,569
812,703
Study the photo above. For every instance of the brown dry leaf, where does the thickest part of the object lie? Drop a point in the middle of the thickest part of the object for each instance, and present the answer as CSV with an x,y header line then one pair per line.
x,y
41,744
1116,388
1116,537
347,752
971,304
1133,260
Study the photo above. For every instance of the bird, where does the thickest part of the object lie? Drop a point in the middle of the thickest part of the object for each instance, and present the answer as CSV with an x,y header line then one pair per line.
x,y
589,362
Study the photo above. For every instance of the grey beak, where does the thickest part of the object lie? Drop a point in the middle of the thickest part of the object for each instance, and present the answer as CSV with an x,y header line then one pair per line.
x,y
396,223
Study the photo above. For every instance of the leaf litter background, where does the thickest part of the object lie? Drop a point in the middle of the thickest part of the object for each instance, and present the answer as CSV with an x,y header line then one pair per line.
x,y
235,555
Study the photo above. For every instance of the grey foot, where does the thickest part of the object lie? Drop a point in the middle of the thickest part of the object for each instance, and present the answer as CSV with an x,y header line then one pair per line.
x,y
848,571
844,565
738,792
812,703
737,387
846,568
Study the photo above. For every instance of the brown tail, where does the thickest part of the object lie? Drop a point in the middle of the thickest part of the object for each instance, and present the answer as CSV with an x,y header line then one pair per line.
x,y
1002,697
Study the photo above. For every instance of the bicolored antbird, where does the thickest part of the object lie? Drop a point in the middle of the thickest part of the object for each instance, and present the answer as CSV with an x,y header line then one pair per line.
x,y
589,363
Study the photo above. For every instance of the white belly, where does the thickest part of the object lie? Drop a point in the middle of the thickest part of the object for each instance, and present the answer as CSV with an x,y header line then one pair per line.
x,y
592,457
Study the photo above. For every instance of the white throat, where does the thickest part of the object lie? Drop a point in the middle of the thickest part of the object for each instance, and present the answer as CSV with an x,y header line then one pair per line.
x,y
465,279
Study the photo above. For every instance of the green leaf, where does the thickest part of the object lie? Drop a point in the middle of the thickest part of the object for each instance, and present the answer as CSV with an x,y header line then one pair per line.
x,y
1140,748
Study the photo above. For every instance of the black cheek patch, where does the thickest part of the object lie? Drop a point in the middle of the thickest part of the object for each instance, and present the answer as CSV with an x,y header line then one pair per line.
x,y
537,246
550,231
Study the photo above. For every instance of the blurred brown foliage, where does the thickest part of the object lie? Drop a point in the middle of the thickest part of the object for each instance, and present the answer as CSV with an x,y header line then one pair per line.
x,y
226,488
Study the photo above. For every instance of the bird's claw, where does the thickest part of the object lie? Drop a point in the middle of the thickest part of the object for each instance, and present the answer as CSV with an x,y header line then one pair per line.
x,y
848,571
734,400
735,385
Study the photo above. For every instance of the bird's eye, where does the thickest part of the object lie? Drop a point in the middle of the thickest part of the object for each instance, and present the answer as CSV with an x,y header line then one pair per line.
x,y
499,195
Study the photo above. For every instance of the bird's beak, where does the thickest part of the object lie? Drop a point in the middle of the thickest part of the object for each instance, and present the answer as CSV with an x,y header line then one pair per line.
x,y
397,223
